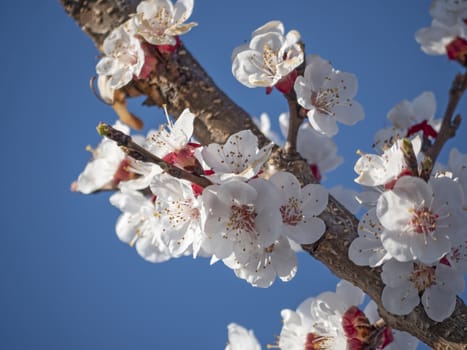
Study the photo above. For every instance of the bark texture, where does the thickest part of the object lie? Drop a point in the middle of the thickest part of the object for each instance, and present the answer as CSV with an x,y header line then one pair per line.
x,y
180,82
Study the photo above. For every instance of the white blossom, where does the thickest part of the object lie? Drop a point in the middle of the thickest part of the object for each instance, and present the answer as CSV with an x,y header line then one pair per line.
x,y
299,208
179,213
137,225
172,137
407,113
449,12
438,286
264,264
101,170
410,118
238,220
328,95
420,219
317,322
160,21
124,57
435,38
383,170
269,57
238,159
241,338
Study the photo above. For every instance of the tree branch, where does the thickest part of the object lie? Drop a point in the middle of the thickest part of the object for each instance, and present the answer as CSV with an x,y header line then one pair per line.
x,y
180,82
140,153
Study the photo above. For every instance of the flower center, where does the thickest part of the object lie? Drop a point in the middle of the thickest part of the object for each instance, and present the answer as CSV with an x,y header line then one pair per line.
x,y
162,20
270,60
327,98
318,342
242,218
423,277
423,220
291,213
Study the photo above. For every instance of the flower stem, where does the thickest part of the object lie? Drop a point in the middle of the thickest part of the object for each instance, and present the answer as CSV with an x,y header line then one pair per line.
x,y
449,125
294,124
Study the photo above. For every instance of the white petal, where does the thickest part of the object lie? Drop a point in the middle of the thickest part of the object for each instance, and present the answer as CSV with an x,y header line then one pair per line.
x,y
155,253
124,229
315,199
349,294
429,249
241,339
401,115
364,252
287,183
449,279
308,231
303,92
183,10
395,274
401,300
438,303
284,261
398,246
183,128
106,66
272,26
322,123
424,106
316,71
349,114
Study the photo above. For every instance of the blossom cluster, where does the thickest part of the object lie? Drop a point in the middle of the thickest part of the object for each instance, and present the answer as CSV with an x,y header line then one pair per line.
x,y
272,60
447,34
331,320
247,218
128,49
253,218
414,226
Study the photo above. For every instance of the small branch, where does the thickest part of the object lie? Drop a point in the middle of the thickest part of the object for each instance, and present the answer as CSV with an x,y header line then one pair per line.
x,y
295,118
139,153
294,124
449,125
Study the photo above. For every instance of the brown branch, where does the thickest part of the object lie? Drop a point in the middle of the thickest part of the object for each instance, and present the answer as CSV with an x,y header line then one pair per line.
x,y
181,83
449,125
139,153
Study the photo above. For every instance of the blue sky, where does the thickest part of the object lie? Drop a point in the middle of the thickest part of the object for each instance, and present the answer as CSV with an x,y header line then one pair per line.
x,y
67,281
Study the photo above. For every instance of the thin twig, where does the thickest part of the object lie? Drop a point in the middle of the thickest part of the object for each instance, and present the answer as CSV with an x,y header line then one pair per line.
x,y
139,153
295,118
294,124
449,125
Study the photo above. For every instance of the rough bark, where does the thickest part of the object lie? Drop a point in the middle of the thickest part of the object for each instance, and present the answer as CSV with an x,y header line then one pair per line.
x,y
180,82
